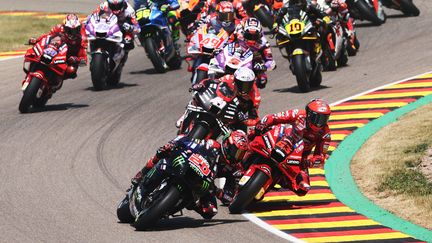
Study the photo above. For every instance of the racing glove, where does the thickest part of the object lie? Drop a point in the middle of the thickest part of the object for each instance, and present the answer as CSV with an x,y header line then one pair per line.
x,y
127,27
73,60
165,150
197,87
165,8
315,161
259,67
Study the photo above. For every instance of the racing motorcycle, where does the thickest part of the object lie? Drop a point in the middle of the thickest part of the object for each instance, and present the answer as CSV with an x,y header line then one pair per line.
x,y
155,37
297,42
229,59
261,10
106,50
44,65
175,183
201,48
335,47
370,10
268,165
406,6
210,112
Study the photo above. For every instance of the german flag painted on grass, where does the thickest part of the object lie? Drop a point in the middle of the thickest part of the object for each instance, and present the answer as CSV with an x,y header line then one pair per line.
x,y
320,216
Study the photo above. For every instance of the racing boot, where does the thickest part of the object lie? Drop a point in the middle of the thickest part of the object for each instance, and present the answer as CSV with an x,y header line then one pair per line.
x,y
207,206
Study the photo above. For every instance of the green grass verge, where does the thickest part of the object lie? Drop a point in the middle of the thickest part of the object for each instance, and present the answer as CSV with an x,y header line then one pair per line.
x,y
16,30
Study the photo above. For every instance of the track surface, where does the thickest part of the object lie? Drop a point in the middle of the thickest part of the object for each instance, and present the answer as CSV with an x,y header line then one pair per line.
x,y
64,169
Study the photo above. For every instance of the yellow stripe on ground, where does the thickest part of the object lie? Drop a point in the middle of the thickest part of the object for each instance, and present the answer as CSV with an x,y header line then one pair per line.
x,y
368,106
355,116
308,197
324,225
394,95
319,183
409,85
331,148
19,13
315,171
305,211
346,125
428,75
338,137
381,236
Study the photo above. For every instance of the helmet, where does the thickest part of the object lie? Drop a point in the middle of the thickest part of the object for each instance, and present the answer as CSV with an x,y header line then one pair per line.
x,y
317,114
300,3
225,13
244,79
116,6
252,31
72,27
234,146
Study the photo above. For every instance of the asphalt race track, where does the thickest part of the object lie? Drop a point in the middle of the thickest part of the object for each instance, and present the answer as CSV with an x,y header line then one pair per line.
x,y
65,168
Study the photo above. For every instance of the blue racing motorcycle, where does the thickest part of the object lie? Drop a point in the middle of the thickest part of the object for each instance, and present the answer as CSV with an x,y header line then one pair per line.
x,y
156,38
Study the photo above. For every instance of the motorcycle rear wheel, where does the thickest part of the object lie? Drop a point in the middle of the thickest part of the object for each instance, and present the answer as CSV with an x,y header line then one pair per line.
x,y
151,49
367,12
302,76
408,8
247,192
158,208
29,96
99,71
264,17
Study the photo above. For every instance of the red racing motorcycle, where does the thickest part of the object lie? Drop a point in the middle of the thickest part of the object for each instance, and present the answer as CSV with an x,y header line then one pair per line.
x,y
45,65
269,164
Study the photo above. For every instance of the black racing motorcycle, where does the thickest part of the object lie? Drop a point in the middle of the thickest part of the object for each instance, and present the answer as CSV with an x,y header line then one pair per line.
x,y
406,6
175,183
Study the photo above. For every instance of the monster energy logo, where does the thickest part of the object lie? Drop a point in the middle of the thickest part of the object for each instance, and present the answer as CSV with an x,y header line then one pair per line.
x,y
205,186
178,161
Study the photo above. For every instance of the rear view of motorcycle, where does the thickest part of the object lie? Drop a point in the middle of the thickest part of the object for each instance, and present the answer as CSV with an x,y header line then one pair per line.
x,y
175,183
106,50
334,47
156,38
406,6
261,10
298,42
45,65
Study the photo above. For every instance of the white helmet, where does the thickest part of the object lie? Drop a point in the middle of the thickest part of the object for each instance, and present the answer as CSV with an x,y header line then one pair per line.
x,y
244,79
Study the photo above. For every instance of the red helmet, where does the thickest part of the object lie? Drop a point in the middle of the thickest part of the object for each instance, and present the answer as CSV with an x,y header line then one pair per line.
x,y
72,27
116,6
234,146
317,114
225,13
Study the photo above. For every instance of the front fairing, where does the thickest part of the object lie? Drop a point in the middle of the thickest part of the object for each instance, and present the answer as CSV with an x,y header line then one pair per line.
x,y
103,27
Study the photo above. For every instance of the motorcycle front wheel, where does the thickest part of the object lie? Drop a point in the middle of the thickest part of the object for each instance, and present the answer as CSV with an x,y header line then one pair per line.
x,y
264,17
158,208
99,71
302,76
123,212
248,192
29,96
367,12
152,51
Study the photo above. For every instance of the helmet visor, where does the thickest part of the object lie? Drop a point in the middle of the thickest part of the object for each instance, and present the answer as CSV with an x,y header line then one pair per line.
x,y
115,7
243,87
72,31
234,154
317,119
251,36
226,17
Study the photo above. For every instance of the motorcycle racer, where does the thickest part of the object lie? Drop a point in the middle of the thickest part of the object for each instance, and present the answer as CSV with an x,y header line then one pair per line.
x,y
223,18
311,126
211,7
73,34
249,34
225,156
168,7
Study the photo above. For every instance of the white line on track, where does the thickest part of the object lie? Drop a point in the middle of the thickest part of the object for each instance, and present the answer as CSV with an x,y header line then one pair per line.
x,y
254,219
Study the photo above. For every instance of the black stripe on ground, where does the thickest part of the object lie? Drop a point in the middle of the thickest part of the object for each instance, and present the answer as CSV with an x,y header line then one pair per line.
x,y
324,215
399,240
298,231
365,109
390,98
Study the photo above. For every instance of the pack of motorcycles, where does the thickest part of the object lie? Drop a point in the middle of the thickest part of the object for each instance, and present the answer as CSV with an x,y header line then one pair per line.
x,y
211,112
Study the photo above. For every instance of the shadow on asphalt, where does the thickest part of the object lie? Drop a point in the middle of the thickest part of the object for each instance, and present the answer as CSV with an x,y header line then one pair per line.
x,y
109,87
295,89
59,107
188,222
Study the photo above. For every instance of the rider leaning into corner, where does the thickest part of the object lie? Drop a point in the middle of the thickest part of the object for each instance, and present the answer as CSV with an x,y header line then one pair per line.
x,y
126,20
73,34
168,7
249,34
225,156
311,126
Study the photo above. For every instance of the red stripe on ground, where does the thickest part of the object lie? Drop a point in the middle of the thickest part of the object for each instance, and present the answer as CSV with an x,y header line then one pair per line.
x,y
11,55
315,220
399,91
376,102
290,193
346,132
420,80
342,233
346,121
360,112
